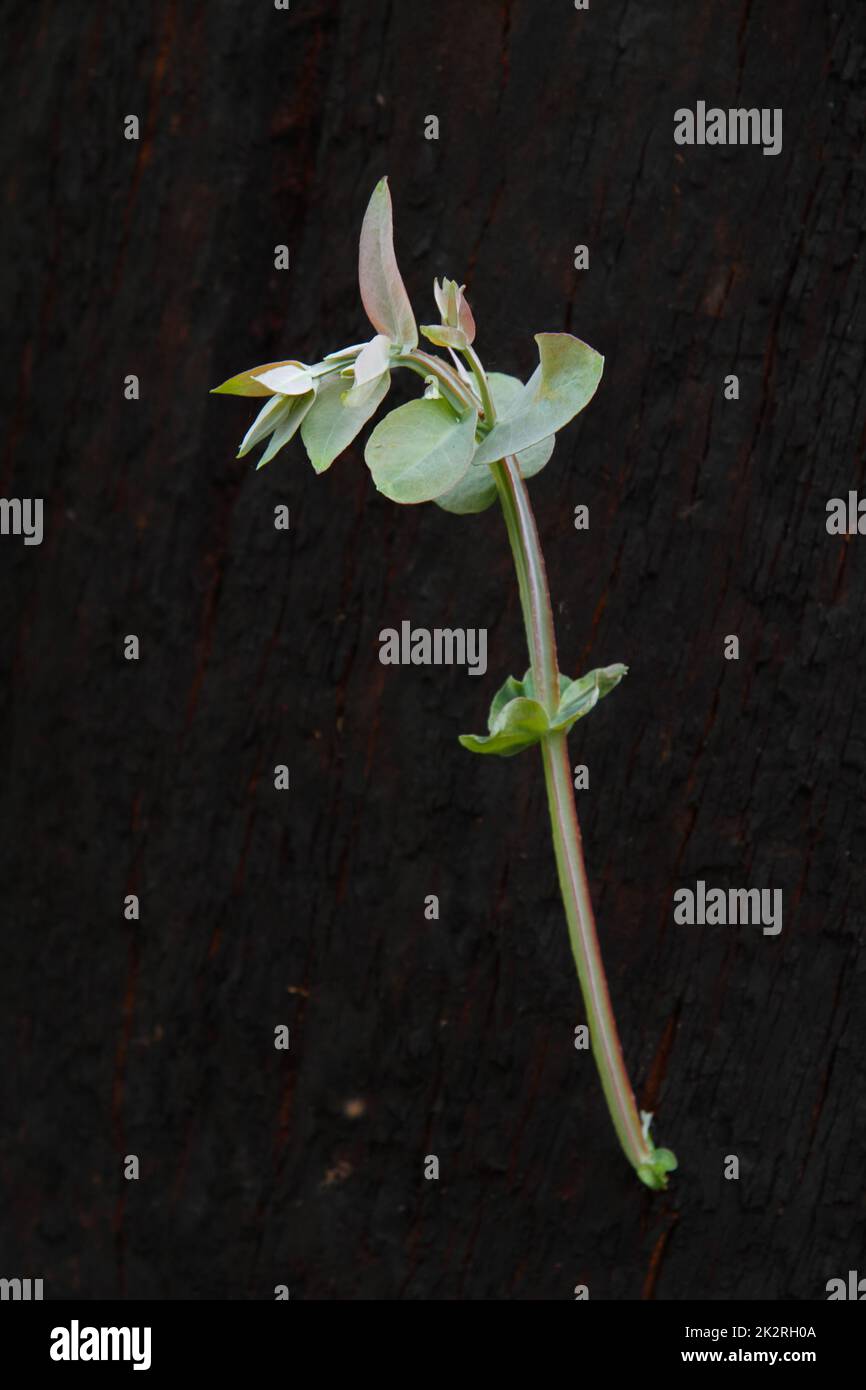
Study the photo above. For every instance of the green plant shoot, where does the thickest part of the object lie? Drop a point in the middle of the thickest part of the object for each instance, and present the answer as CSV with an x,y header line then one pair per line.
x,y
469,439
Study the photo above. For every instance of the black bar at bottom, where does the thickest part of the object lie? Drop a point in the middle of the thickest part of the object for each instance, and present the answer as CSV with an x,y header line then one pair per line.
x,y
161,1339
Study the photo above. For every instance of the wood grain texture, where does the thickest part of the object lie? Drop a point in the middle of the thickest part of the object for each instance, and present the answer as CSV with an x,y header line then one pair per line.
x,y
306,908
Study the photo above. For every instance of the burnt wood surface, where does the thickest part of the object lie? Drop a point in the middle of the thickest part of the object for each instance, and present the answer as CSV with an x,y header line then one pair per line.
x,y
412,1037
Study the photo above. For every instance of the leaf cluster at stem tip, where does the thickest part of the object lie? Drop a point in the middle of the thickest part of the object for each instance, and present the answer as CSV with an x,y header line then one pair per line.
x,y
437,447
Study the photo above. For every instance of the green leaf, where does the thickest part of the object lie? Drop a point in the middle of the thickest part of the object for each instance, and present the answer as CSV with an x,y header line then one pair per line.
x,y
454,308
331,425
372,363
421,450
517,724
476,490
511,689
248,383
332,357
294,379
559,388
382,290
290,421
368,391
373,360
474,493
533,459
517,720
654,1172
443,336
265,422
506,392
578,697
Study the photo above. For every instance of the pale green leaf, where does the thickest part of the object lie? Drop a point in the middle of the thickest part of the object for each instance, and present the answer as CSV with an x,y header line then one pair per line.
x,y
382,290
506,392
333,357
655,1172
290,422
359,396
533,459
331,425
454,309
325,367
293,379
267,420
476,490
474,493
563,383
373,360
578,697
366,373
249,383
517,724
517,720
443,336
510,689
440,294
421,450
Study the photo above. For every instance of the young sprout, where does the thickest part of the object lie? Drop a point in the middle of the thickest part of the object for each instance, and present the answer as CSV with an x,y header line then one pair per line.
x,y
470,438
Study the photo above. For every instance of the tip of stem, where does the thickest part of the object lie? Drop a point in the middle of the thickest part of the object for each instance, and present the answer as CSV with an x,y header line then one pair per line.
x,y
654,1172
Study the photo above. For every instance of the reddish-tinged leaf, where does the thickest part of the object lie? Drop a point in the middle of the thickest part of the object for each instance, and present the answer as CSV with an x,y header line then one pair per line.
x,y
382,290
466,319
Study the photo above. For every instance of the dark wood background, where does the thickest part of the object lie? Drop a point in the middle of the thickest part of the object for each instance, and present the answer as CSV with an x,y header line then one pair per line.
x,y
411,1037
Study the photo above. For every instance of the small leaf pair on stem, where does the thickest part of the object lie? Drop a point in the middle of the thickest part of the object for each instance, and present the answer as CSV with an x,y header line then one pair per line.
x,y
470,438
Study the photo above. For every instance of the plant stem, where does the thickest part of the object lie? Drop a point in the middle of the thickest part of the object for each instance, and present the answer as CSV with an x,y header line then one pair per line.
x,y
541,640
425,364
483,386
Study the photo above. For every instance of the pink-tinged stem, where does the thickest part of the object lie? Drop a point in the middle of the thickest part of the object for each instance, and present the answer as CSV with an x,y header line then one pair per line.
x,y
568,847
